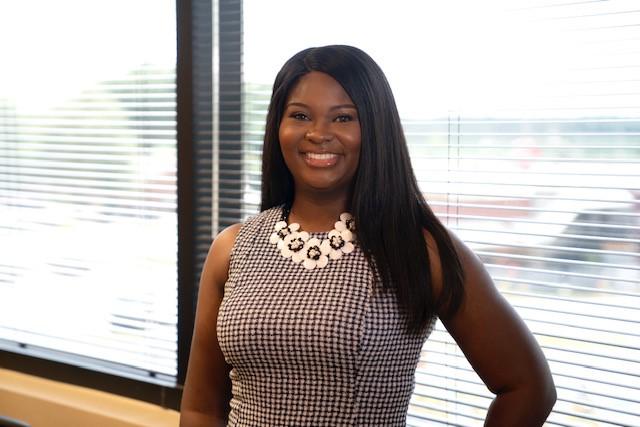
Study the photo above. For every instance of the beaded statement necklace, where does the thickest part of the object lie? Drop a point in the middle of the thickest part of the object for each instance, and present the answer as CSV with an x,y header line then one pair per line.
x,y
309,251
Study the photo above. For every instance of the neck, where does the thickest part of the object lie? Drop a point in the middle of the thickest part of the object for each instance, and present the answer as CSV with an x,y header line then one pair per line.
x,y
317,213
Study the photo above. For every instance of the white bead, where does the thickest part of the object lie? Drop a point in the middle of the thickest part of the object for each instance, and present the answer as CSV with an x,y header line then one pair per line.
x,y
325,247
297,257
314,241
322,262
348,248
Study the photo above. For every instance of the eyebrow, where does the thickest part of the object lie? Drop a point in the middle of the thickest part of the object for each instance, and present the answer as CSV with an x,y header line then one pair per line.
x,y
335,107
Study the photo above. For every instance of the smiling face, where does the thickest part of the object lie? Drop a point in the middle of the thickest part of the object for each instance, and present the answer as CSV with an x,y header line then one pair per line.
x,y
320,135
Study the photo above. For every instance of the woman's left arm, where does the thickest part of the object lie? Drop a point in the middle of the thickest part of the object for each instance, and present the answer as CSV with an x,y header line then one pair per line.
x,y
500,348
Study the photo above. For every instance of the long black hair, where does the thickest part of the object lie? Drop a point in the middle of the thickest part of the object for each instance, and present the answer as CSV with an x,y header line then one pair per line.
x,y
390,211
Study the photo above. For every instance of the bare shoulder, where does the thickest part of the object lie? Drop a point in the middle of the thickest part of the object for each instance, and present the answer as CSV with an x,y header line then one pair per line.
x,y
471,264
480,292
217,263
226,238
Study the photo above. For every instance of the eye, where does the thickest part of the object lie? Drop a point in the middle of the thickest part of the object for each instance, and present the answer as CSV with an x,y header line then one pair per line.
x,y
299,116
342,118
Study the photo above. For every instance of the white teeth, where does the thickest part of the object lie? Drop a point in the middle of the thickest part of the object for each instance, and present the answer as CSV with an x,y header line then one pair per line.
x,y
320,156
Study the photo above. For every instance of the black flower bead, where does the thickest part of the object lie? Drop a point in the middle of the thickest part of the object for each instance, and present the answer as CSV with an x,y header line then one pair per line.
x,y
284,232
336,242
314,253
296,244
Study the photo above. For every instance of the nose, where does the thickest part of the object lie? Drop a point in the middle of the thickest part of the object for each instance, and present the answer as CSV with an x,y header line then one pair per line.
x,y
318,135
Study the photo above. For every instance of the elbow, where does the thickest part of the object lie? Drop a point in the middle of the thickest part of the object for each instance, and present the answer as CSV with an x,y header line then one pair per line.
x,y
528,404
548,395
543,389
546,390
543,392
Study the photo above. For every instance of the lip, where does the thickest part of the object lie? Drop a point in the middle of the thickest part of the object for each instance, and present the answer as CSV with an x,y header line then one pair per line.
x,y
320,160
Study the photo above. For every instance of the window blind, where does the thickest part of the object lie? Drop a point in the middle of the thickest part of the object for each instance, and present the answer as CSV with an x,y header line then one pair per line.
x,y
88,226
522,119
229,148
546,191
559,235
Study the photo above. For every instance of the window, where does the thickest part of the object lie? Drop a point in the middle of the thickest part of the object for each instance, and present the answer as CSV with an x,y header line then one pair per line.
x,y
522,120
88,196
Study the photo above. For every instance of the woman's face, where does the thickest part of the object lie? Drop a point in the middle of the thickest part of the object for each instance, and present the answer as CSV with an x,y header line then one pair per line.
x,y
320,135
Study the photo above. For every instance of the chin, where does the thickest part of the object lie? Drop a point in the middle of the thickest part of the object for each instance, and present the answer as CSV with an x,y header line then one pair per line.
x,y
326,183
324,188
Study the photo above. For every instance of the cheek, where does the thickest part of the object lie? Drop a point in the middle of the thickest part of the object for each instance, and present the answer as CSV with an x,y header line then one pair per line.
x,y
288,148
282,136
287,139
354,154
355,144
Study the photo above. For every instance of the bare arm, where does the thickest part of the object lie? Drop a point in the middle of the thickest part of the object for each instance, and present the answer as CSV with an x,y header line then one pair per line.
x,y
499,346
207,388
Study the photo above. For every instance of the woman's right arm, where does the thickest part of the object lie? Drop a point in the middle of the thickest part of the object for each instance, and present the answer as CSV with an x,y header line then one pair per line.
x,y
207,388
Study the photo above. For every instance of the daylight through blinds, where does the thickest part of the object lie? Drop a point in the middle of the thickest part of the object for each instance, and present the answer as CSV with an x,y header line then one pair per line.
x,y
88,226
522,119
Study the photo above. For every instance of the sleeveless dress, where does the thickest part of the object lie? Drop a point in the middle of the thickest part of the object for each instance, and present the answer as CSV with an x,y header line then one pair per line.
x,y
321,347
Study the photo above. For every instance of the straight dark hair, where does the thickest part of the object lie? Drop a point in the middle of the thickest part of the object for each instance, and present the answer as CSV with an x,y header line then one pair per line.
x,y
390,211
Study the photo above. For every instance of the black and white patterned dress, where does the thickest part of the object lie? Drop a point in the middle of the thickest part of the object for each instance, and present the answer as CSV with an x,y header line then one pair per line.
x,y
321,347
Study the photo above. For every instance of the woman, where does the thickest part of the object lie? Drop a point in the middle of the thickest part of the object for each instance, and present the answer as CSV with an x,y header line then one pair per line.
x,y
300,326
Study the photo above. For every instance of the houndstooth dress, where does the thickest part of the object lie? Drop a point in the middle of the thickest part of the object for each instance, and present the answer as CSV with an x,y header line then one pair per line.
x,y
321,347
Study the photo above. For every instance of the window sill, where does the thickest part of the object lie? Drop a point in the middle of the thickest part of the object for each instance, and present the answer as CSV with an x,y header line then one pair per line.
x,y
43,402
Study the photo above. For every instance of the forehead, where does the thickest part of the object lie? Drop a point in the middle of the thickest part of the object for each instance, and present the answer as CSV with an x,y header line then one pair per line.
x,y
320,88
